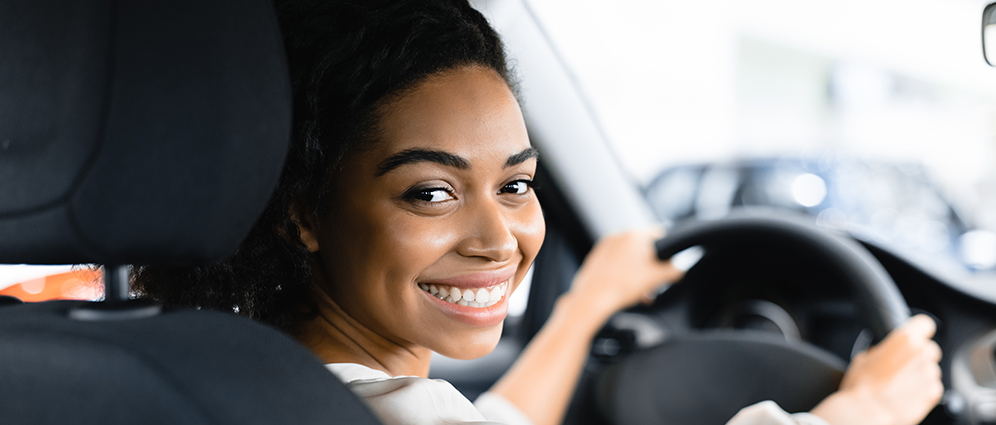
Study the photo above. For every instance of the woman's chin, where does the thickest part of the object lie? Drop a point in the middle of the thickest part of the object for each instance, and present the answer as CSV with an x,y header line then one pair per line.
x,y
470,347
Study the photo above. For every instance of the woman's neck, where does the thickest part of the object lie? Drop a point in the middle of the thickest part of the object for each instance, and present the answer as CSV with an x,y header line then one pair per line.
x,y
335,337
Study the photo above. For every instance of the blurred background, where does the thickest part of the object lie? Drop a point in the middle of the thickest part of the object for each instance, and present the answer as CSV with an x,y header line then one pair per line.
x,y
876,117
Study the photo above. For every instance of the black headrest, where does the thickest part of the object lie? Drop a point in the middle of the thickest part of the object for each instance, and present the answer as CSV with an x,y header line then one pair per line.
x,y
137,132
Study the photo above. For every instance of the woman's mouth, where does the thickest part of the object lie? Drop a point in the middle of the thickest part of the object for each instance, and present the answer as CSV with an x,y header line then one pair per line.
x,y
470,297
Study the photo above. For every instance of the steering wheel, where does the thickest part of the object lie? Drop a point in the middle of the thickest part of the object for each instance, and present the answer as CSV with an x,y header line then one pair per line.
x,y
706,377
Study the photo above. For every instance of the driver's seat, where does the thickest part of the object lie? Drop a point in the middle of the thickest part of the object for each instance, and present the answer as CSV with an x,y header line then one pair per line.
x,y
145,132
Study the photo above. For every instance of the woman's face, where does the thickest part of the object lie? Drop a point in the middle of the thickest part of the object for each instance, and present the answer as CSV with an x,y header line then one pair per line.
x,y
433,227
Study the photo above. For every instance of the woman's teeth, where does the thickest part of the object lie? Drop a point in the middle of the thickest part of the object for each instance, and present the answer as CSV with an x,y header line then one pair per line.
x,y
476,297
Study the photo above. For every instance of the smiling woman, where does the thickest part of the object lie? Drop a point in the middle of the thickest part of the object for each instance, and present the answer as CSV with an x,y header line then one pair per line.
x,y
437,217
405,218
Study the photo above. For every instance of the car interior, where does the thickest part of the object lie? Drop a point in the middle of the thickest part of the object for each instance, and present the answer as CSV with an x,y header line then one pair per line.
x,y
155,132
144,133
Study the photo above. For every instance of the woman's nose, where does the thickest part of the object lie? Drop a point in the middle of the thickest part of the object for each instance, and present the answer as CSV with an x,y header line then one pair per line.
x,y
488,234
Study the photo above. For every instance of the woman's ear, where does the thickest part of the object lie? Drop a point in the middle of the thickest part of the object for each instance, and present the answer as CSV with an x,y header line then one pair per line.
x,y
307,227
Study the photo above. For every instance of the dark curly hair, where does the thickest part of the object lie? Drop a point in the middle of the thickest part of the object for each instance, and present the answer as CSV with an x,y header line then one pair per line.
x,y
348,58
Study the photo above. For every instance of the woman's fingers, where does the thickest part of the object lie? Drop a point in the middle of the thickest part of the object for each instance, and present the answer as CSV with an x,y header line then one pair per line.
x,y
623,269
921,326
655,232
898,379
910,340
933,352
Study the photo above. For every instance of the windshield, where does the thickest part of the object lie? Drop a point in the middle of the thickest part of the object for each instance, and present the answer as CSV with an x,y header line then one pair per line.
x,y
889,108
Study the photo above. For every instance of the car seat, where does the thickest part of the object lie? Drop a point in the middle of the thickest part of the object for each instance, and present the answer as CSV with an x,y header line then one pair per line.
x,y
144,132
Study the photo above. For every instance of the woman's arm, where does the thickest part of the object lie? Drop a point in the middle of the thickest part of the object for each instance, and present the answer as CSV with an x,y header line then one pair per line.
x,y
619,272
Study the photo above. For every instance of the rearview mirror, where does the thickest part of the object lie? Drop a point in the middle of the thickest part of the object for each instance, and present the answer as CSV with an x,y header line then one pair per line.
x,y
989,34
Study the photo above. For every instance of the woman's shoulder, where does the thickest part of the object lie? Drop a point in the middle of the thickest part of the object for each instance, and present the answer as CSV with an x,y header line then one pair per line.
x,y
349,372
406,399
368,382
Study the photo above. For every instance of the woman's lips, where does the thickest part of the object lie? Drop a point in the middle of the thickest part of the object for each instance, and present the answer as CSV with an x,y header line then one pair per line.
x,y
474,280
477,299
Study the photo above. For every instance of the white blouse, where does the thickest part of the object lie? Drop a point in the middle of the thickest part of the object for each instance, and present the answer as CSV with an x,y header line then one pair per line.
x,y
411,400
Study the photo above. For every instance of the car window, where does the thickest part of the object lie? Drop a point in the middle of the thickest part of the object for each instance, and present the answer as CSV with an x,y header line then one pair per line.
x,y
875,117
39,283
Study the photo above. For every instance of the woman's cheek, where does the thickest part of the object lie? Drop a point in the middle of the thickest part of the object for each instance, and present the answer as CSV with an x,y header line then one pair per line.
x,y
423,236
534,230
530,232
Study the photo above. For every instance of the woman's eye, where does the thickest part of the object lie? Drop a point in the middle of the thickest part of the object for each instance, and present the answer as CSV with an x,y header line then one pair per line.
x,y
431,195
517,187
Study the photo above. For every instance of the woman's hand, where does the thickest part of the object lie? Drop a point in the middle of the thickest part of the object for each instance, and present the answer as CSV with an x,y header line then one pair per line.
x,y
620,271
896,382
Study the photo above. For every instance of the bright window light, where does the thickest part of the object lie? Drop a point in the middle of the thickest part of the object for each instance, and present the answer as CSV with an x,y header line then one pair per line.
x,y
809,190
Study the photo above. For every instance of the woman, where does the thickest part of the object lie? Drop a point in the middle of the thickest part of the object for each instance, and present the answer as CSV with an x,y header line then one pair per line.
x,y
405,218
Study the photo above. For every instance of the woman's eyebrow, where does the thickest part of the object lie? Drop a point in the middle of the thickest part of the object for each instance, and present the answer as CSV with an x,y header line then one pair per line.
x,y
411,156
521,157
